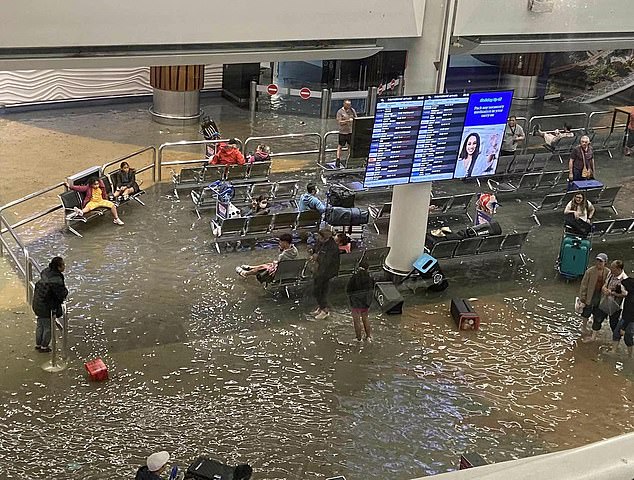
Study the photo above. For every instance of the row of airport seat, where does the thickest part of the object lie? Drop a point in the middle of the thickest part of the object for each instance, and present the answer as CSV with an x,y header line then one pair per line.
x,y
205,198
449,205
509,244
72,199
599,197
293,273
260,227
613,228
204,173
530,181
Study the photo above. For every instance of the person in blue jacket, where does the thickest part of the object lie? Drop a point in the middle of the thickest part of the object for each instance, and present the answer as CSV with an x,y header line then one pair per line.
x,y
309,200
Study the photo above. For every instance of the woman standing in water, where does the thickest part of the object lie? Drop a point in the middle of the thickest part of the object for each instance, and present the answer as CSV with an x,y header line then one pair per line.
x,y
359,290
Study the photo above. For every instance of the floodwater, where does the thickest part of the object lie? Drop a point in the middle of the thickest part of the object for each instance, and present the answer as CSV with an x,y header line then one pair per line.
x,y
202,361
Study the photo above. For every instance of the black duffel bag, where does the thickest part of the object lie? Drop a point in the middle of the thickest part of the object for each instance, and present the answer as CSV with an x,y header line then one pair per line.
x,y
340,197
339,216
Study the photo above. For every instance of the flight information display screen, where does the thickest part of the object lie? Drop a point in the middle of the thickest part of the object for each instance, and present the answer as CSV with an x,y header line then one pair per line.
x,y
423,138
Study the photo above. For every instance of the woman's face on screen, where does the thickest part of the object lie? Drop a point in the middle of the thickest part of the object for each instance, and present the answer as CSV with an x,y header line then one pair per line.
x,y
472,144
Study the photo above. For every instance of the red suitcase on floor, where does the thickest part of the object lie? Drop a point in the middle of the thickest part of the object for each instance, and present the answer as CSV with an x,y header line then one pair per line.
x,y
464,315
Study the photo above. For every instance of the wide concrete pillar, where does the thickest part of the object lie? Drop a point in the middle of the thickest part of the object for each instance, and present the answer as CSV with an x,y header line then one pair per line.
x,y
176,94
410,203
521,72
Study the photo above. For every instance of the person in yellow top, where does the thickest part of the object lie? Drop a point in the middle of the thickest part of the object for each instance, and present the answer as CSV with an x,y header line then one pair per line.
x,y
94,197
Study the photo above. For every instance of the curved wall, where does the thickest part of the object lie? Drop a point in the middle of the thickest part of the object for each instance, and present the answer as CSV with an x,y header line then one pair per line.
x,y
26,86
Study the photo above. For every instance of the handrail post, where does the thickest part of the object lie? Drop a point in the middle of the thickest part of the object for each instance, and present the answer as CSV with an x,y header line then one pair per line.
x,y
28,275
65,331
253,98
53,341
158,164
325,103
373,93
401,85
153,164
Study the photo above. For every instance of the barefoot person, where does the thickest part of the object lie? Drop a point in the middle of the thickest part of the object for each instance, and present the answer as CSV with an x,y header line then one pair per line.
x,y
359,290
590,293
625,327
95,197
288,251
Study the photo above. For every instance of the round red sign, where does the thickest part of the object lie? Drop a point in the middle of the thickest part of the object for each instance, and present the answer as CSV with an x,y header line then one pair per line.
x,y
305,93
272,89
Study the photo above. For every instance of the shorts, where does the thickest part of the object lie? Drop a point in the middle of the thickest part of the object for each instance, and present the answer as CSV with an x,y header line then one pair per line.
x,y
103,203
360,311
134,186
344,139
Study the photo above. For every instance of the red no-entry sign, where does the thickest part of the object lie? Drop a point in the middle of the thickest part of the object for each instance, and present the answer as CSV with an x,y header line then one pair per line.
x,y
305,93
272,89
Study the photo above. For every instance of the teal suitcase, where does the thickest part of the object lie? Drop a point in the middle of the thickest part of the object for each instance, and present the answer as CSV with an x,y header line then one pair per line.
x,y
573,256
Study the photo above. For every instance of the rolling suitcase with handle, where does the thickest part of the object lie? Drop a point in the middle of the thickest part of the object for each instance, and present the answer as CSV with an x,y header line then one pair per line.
x,y
573,256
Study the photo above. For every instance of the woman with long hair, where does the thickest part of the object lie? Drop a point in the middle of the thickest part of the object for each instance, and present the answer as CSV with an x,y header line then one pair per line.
x,y
468,156
578,214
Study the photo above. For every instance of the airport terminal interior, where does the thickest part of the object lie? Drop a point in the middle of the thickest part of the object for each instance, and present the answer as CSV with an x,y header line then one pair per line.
x,y
205,362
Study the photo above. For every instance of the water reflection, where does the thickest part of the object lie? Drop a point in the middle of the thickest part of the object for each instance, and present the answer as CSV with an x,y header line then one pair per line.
x,y
204,362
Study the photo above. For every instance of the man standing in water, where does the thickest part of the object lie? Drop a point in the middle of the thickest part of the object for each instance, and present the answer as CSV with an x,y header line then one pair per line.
x,y
48,296
590,296
345,118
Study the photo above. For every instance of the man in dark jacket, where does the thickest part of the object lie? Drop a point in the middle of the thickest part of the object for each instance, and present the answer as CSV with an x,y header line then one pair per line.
x,y
48,296
326,257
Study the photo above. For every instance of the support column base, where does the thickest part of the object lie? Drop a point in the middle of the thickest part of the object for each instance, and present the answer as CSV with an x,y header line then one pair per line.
x,y
176,108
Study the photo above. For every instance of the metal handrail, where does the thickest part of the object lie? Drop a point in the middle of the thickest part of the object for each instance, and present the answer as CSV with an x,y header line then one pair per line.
x,y
318,151
325,148
134,154
25,267
534,120
159,157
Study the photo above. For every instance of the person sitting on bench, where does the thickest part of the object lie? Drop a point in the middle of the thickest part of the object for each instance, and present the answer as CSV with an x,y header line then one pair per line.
x,y
124,181
228,154
262,154
259,206
552,137
95,197
343,242
578,214
266,271
309,201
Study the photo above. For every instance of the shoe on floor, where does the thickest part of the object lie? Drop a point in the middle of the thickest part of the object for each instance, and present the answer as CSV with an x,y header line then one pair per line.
x,y
45,349
246,267
315,312
78,211
118,221
37,347
321,315
240,271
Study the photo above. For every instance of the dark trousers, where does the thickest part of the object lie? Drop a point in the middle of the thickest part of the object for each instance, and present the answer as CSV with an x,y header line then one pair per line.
x,y
320,289
43,332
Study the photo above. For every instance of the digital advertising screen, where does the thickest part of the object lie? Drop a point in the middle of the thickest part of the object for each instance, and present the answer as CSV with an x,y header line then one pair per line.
x,y
484,124
423,138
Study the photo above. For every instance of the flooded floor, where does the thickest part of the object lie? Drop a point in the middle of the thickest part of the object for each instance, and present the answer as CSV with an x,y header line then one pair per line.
x,y
204,362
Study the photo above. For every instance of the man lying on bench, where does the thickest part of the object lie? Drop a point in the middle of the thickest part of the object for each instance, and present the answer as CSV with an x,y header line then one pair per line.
x,y
94,197
266,271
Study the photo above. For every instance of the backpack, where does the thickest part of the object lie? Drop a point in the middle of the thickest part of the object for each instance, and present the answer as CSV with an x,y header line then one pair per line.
x,y
340,197
224,191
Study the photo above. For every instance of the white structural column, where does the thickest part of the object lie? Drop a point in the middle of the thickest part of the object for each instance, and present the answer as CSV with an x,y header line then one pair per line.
x,y
410,203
